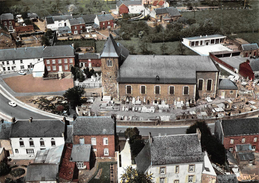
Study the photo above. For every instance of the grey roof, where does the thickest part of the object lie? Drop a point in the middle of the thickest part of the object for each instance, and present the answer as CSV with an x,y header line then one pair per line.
x,y
5,129
21,53
7,16
206,37
62,17
89,56
254,64
129,2
81,152
249,47
246,156
169,68
89,19
37,128
243,147
94,126
32,15
236,127
105,17
168,10
58,51
41,172
143,159
65,29
69,134
76,21
49,20
227,178
227,84
52,155
110,48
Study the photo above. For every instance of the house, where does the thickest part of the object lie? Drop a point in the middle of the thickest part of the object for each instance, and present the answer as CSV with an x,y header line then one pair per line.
x,y
227,89
89,22
104,21
77,25
208,174
244,154
62,31
165,14
5,143
81,155
29,136
130,7
91,60
238,131
97,131
59,59
246,71
249,50
54,22
172,158
156,78
7,20
12,60
204,40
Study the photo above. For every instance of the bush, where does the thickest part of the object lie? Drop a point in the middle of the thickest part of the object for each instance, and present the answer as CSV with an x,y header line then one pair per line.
x,y
17,172
4,168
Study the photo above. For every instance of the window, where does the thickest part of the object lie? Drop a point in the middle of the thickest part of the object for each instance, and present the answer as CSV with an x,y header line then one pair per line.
x,y
162,180
128,89
8,68
29,151
10,22
255,139
80,165
71,60
66,67
59,61
157,89
31,142
185,90
42,144
109,63
190,178
231,141
243,140
93,141
231,92
5,23
48,68
177,169
200,84
105,141
22,67
7,62
191,168
162,170
176,181
75,27
65,61
53,61
21,62
54,68
16,151
81,27
171,90
13,61
103,23
82,141
106,152
53,143
21,143
253,148
48,62
143,89
231,149
209,83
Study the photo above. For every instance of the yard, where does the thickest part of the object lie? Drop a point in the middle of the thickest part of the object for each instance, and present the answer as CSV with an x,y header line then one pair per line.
x,y
105,176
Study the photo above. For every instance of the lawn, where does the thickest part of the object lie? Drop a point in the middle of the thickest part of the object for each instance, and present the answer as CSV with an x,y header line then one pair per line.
x,y
250,37
105,177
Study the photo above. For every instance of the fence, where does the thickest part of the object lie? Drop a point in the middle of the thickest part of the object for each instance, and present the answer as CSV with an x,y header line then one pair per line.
x,y
89,84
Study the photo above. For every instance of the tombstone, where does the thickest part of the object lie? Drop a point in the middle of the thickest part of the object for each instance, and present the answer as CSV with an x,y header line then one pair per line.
x,y
92,78
144,100
163,102
133,100
97,77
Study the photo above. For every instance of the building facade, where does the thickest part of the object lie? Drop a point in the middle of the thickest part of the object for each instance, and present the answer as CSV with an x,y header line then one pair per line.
x,y
7,20
77,25
90,60
54,22
204,40
104,21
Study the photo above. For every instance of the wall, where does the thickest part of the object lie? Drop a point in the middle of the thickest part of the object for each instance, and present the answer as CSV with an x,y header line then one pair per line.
x,y
135,9
228,93
123,9
105,24
87,164
58,24
99,147
27,28
57,64
7,145
208,178
79,28
206,76
249,139
94,62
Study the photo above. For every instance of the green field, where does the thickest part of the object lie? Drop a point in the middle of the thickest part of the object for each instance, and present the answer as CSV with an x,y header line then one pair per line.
x,y
105,176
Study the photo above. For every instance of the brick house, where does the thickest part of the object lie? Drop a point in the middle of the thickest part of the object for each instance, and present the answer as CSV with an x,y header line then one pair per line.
x,y
58,60
248,50
165,14
77,25
90,60
130,7
156,78
97,131
238,131
104,21
7,20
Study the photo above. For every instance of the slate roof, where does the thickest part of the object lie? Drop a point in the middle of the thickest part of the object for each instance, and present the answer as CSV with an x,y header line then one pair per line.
x,y
32,15
81,152
227,84
129,2
89,19
249,47
69,134
51,156
21,53
76,21
49,20
236,127
254,64
7,16
62,17
58,51
205,37
167,10
37,128
143,159
110,48
105,17
243,147
169,68
93,126
246,156
227,178
89,56
41,172
5,129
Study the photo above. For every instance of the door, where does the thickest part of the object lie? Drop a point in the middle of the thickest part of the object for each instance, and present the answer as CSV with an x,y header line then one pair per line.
x,y
222,94
60,68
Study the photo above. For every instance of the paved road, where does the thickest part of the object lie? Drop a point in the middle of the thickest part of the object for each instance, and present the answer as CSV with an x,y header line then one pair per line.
x,y
18,112
155,131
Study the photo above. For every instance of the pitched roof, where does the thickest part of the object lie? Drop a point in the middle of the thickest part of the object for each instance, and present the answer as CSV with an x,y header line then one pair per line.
x,y
7,16
243,147
89,56
227,84
110,48
21,53
93,125
62,17
249,47
105,17
254,64
81,152
76,21
143,159
129,2
37,128
58,51
89,18
169,68
206,37
167,10
51,156
49,20
245,156
5,129
41,172
227,178
236,127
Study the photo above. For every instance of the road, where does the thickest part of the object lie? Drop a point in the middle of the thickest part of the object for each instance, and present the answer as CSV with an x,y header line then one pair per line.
x,y
155,131
18,112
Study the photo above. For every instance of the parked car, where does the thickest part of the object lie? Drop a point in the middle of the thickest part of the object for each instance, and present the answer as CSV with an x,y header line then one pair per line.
x,y
12,103
22,72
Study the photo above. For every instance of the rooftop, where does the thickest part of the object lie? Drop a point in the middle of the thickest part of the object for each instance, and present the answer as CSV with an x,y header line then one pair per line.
x,y
51,156
7,16
227,84
105,17
89,18
76,21
5,128
42,172
89,56
58,51
168,10
205,37
129,2
249,47
81,152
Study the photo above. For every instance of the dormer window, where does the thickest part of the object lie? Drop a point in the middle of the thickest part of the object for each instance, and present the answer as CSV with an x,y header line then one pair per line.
x,y
31,142
109,63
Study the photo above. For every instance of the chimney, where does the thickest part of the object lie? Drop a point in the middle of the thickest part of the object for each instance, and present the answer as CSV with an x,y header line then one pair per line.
x,y
13,120
2,120
30,120
199,133
150,138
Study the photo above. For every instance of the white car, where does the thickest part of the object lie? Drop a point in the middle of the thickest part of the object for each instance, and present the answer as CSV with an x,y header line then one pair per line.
x,y
12,103
21,72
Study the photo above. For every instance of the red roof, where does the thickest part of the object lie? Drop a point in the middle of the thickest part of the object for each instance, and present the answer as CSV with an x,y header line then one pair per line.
x,y
245,70
161,3
67,168
155,3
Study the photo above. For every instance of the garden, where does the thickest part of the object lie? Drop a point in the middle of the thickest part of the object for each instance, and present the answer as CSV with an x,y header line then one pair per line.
x,y
12,174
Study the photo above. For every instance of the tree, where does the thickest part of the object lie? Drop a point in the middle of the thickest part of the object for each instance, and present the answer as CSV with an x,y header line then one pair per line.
x,y
73,95
131,175
180,48
163,48
4,168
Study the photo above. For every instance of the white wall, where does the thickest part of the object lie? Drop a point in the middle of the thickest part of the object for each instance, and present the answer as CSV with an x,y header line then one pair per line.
x,y
58,24
134,9
96,21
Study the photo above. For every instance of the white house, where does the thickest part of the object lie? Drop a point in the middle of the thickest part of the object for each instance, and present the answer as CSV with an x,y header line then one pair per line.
x,y
172,158
29,136
134,6
15,59
204,40
54,22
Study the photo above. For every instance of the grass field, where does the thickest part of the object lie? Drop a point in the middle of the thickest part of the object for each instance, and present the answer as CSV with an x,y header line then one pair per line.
x,y
105,177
